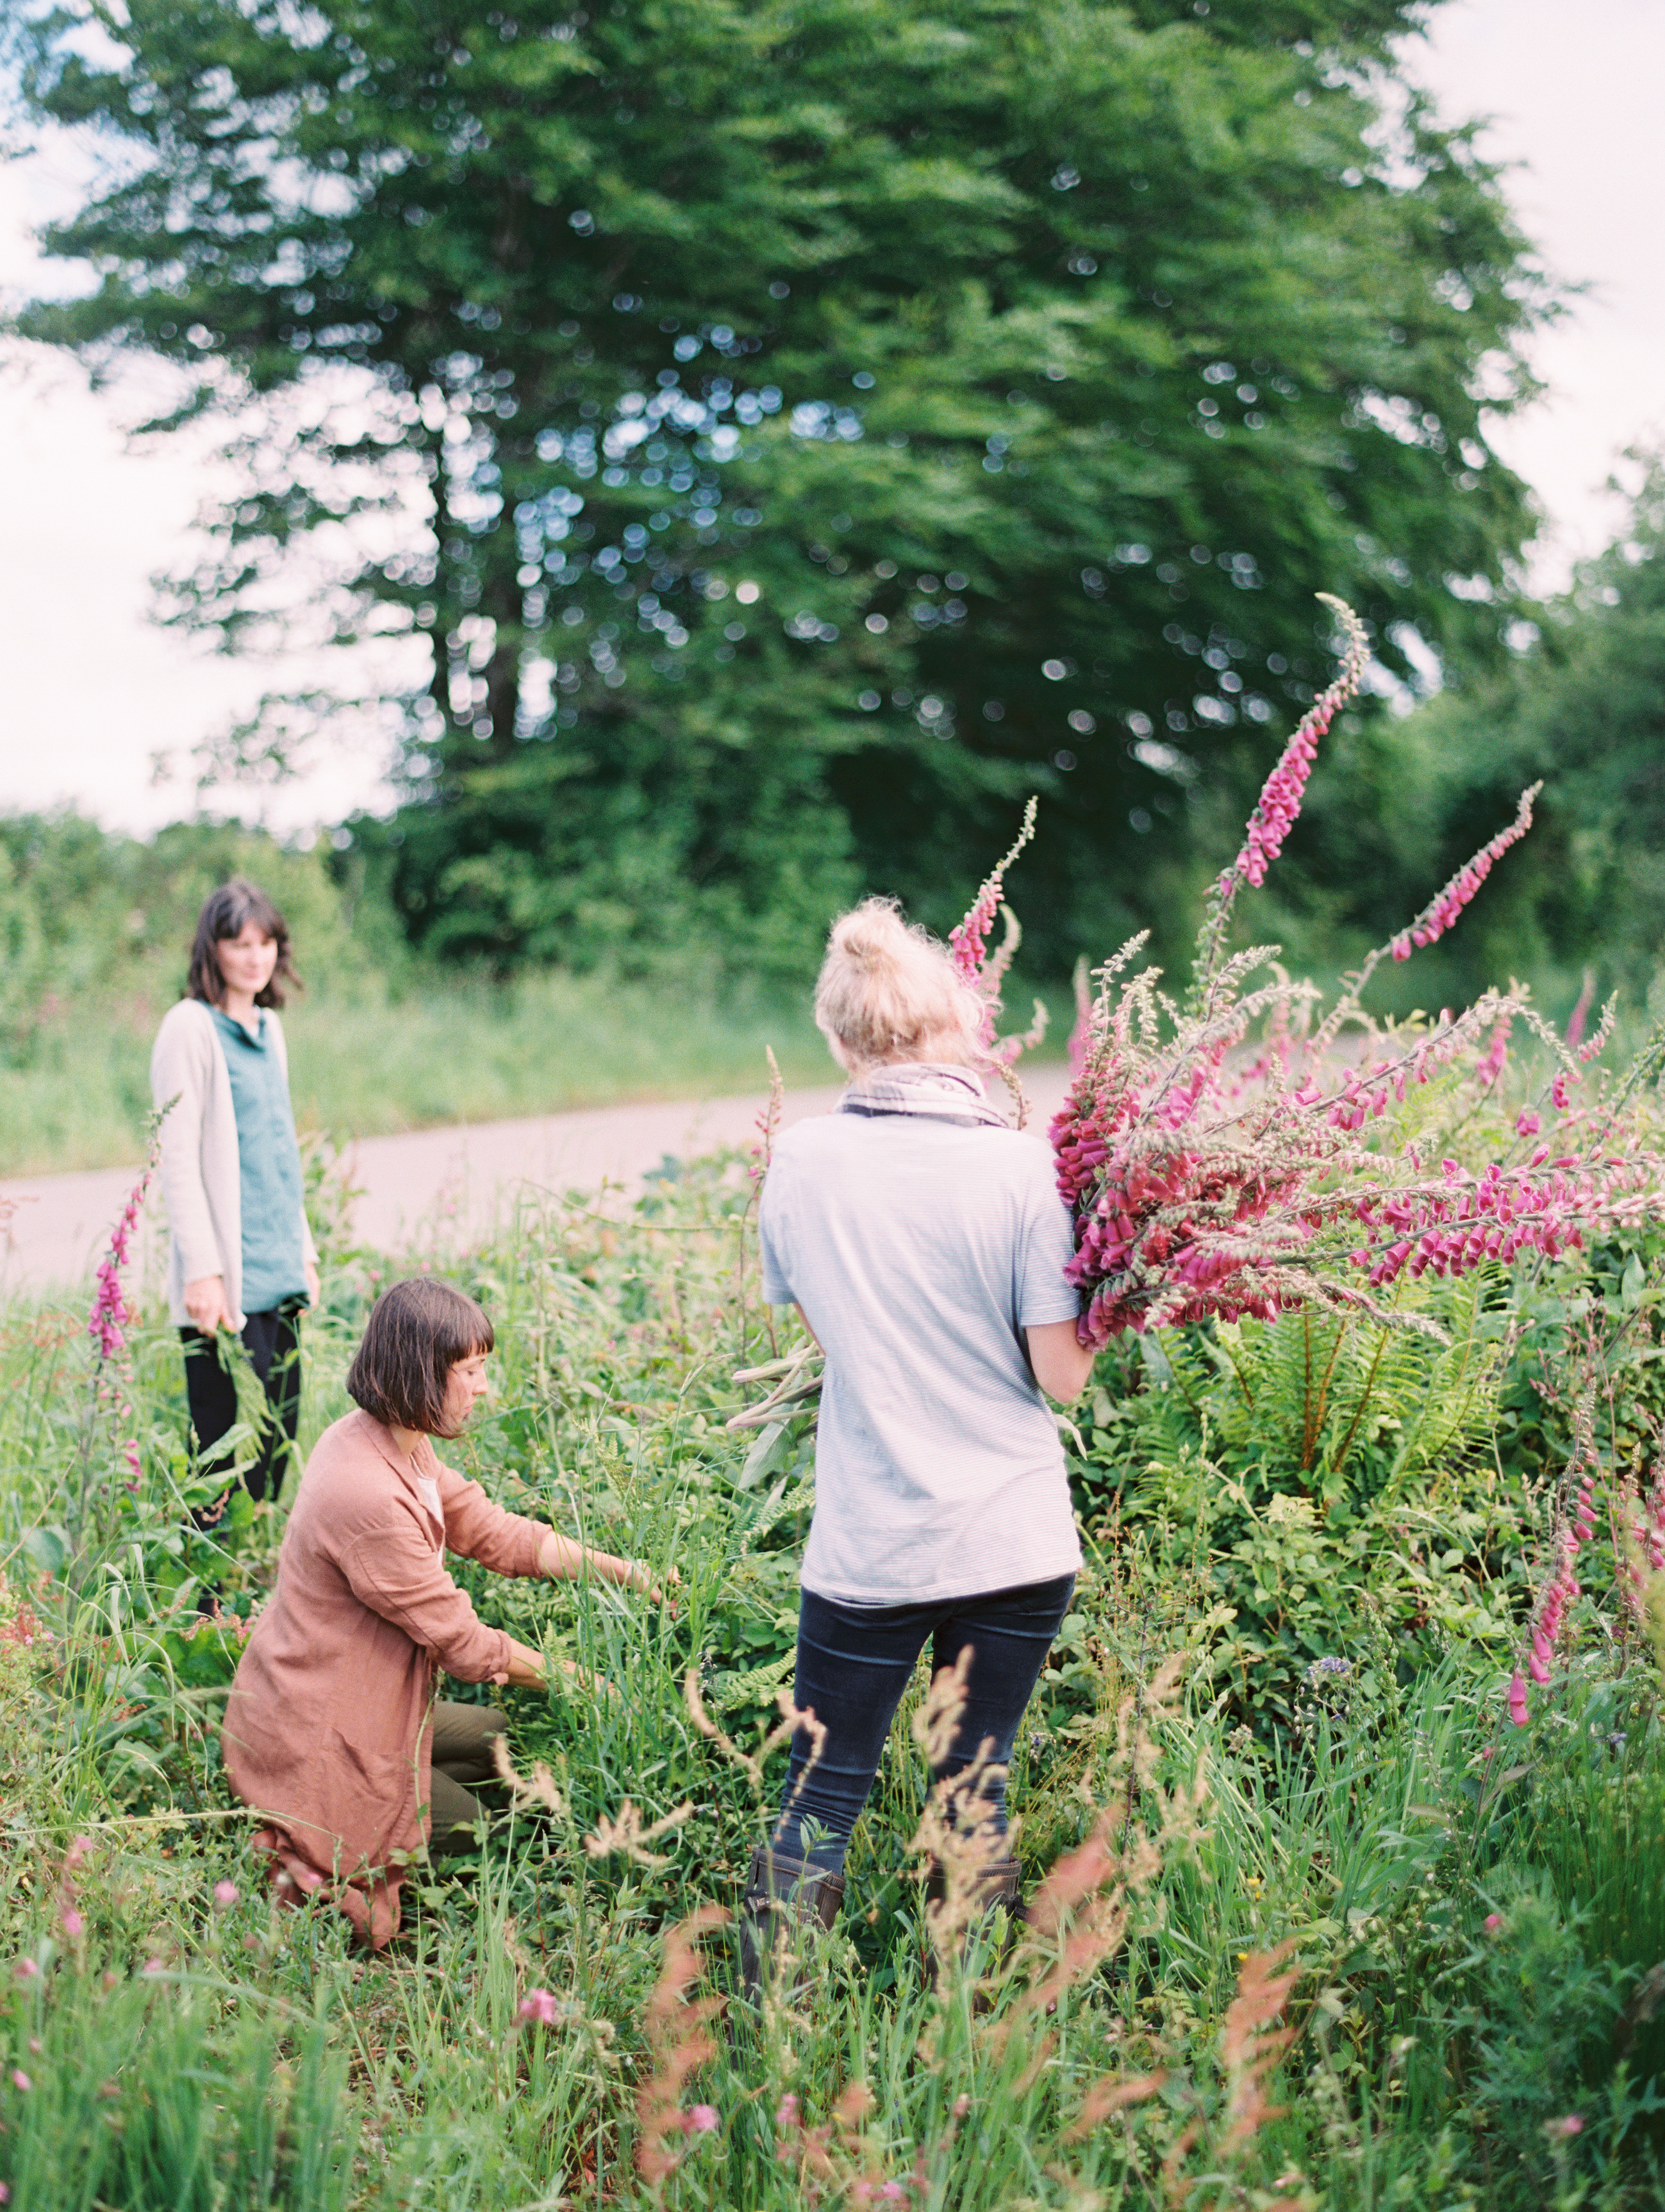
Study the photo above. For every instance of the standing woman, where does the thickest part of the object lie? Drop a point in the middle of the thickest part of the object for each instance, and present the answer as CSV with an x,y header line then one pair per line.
x,y
924,1242
240,1255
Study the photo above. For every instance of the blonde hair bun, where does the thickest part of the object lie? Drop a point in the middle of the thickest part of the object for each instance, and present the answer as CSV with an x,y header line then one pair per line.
x,y
888,991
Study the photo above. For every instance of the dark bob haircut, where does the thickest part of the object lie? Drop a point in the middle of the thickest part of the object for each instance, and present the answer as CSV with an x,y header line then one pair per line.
x,y
226,912
416,1333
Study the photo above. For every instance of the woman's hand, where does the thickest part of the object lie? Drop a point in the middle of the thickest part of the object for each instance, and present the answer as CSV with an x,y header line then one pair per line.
x,y
205,1303
526,1667
527,1671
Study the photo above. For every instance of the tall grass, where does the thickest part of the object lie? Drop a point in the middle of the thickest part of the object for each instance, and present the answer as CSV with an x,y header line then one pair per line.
x,y
1381,1956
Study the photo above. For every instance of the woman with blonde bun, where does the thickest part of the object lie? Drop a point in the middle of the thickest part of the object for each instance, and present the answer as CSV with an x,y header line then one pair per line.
x,y
924,1242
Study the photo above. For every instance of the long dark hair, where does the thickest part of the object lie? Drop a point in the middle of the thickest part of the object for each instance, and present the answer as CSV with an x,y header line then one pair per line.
x,y
417,1331
226,912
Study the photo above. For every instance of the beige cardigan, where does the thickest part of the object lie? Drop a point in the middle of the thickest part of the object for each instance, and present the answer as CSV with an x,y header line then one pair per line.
x,y
201,1184
328,1726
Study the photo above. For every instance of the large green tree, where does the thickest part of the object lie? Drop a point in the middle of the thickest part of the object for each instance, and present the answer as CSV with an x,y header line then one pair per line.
x,y
802,427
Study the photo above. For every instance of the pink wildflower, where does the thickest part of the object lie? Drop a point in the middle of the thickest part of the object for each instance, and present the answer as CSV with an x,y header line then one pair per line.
x,y
1580,1013
20,2080
982,974
1443,909
538,2005
1495,1059
1492,1922
703,2120
1519,1711
75,1927
225,1892
1593,1045
154,1967
1081,1034
1279,801
1527,1123
1571,2124
969,940
786,2112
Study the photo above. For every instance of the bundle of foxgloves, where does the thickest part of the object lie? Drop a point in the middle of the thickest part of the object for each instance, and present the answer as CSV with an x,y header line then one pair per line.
x,y
1238,1150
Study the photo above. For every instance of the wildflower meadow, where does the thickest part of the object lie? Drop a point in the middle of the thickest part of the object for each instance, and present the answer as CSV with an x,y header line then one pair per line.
x,y
1341,1802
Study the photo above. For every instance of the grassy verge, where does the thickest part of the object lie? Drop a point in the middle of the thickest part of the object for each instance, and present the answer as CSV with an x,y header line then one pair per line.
x,y
365,1059
1383,1951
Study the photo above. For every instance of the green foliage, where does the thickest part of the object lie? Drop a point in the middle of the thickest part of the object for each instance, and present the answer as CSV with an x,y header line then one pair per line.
x,y
1324,1489
800,430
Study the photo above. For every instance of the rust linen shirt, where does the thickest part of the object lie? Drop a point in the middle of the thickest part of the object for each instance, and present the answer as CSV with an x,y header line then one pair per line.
x,y
328,1724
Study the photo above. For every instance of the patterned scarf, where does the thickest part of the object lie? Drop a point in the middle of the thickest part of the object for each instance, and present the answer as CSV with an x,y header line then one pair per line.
x,y
923,1087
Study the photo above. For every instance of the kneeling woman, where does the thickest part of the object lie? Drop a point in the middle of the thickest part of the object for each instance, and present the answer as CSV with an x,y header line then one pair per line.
x,y
332,1728
924,1244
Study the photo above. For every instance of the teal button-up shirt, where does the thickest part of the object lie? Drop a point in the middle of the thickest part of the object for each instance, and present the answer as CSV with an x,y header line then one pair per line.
x,y
269,1166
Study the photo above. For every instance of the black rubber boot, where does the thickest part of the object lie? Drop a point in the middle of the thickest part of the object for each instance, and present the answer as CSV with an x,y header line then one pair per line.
x,y
997,1885
781,1892
997,1889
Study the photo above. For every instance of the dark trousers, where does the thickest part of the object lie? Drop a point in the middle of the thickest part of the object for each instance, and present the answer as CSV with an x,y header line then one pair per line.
x,y
272,1340
463,1761
854,1663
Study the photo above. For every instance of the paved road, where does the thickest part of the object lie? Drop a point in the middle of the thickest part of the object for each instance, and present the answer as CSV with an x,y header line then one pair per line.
x,y
453,1182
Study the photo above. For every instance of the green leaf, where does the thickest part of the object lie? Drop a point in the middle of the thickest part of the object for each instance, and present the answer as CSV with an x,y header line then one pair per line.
x,y
47,1546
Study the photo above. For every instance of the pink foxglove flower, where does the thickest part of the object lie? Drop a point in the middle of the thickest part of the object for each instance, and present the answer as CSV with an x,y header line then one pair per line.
x,y
111,1317
1580,1013
1443,909
1279,801
985,973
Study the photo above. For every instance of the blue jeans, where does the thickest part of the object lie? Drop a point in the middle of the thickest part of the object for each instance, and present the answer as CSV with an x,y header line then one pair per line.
x,y
856,1661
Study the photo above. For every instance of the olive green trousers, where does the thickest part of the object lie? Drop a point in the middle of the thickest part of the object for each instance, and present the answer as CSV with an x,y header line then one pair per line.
x,y
463,1736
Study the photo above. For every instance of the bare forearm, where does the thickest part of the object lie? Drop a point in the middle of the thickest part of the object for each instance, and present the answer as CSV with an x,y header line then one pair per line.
x,y
561,1559
1062,1364
526,1667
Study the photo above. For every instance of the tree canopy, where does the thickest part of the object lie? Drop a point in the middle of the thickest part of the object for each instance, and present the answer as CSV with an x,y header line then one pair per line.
x,y
803,426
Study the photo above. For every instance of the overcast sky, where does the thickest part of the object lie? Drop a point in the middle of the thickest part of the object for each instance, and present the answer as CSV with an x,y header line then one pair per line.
x,y
92,693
